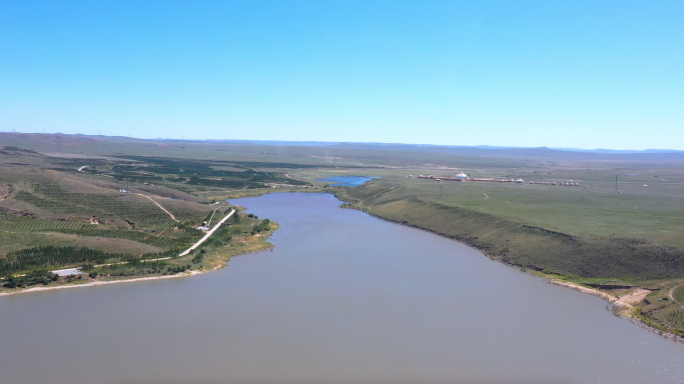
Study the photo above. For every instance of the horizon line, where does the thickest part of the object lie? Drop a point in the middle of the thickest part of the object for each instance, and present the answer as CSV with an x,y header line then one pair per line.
x,y
293,143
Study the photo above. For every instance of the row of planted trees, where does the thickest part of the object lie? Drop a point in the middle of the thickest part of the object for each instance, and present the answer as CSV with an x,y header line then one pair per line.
x,y
50,256
34,263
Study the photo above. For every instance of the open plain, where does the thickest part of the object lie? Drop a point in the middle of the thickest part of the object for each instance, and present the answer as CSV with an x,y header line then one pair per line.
x,y
133,206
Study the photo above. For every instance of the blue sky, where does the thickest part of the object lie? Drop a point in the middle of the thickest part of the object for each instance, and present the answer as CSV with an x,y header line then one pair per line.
x,y
586,74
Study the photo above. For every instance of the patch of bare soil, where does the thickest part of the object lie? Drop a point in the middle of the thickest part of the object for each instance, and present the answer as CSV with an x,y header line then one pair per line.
x,y
635,297
5,191
592,291
18,213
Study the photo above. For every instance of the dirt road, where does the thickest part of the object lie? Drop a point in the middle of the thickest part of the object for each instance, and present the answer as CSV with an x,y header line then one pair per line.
x,y
160,206
211,231
672,296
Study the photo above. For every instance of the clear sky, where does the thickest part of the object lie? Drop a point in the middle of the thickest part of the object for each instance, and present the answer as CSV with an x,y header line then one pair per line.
x,y
584,74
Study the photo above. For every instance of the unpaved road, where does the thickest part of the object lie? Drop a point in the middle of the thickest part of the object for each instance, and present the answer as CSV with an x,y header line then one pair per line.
x,y
672,296
152,200
211,231
160,206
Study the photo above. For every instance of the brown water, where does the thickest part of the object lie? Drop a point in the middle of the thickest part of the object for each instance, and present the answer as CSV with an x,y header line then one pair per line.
x,y
343,298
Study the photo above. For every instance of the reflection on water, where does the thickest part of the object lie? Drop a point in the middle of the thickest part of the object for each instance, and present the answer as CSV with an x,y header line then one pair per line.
x,y
343,298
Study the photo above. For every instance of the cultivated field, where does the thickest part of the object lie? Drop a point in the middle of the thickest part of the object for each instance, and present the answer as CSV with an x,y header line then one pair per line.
x,y
107,217
69,192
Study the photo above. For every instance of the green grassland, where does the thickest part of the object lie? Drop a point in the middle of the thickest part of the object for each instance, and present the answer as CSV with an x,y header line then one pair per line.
x,y
113,258
53,186
593,208
60,210
588,235
516,230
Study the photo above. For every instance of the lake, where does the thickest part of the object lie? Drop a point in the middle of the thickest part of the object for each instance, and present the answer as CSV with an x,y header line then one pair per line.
x,y
342,298
346,181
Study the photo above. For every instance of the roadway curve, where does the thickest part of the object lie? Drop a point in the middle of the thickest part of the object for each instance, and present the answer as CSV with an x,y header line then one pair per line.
x,y
672,296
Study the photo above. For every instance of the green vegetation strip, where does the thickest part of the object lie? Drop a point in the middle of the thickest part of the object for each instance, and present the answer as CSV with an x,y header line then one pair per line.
x,y
521,244
49,256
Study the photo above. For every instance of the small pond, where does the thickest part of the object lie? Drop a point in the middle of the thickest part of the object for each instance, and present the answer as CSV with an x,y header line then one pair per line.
x,y
346,181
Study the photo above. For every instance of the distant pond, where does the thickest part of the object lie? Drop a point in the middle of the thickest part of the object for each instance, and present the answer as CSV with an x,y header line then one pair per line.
x,y
346,181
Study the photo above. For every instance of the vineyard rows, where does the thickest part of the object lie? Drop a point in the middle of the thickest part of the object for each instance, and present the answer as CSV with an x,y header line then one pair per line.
x,y
19,239
159,230
141,237
676,318
26,224
59,201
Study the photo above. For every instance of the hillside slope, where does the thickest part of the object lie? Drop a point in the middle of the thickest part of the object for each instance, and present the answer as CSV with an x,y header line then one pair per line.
x,y
520,244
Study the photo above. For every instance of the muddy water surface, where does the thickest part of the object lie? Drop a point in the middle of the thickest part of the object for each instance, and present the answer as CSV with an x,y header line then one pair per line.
x,y
343,298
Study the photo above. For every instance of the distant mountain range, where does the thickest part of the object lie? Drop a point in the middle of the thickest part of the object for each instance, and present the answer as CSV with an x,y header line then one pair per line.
x,y
479,149
620,151
395,146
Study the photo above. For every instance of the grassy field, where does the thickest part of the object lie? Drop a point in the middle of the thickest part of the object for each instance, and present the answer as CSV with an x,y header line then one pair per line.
x,y
104,259
60,210
593,208
510,235
65,191
598,244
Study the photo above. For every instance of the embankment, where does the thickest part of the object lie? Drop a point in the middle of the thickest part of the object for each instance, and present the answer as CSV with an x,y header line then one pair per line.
x,y
526,245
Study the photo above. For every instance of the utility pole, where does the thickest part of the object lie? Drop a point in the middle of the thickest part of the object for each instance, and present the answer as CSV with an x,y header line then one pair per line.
x,y
584,192
440,190
616,184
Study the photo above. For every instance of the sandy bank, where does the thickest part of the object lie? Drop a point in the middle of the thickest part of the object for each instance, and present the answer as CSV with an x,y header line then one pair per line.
x,y
96,283
592,291
626,301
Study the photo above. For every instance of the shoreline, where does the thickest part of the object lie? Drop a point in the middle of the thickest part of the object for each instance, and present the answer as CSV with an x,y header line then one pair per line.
x,y
222,262
616,301
623,304
613,299
133,279
108,282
